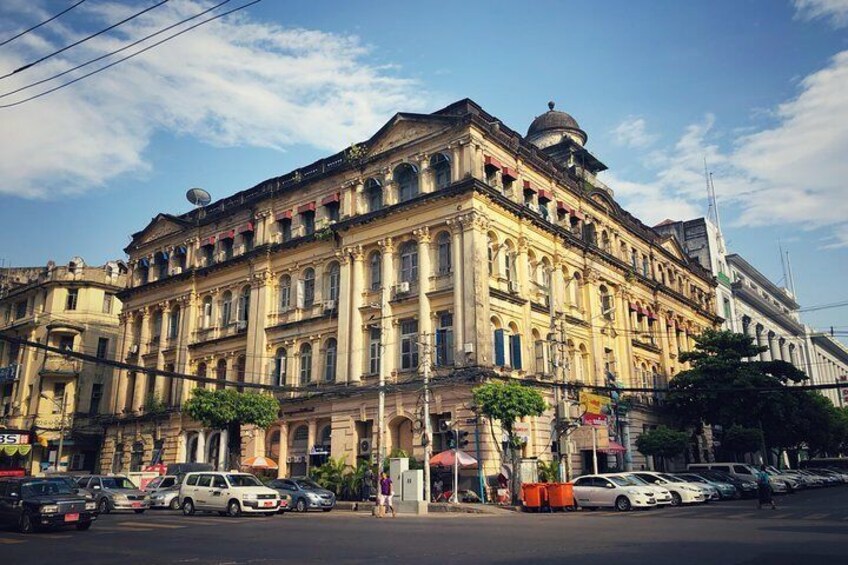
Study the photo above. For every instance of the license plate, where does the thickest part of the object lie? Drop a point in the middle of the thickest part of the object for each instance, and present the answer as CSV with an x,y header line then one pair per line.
x,y
72,517
268,503
136,504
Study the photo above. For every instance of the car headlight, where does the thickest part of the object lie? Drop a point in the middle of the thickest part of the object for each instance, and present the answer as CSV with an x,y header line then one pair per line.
x,y
248,497
313,495
91,506
118,496
147,498
49,509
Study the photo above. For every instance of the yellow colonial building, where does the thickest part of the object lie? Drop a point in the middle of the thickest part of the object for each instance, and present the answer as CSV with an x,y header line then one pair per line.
x,y
447,240
71,307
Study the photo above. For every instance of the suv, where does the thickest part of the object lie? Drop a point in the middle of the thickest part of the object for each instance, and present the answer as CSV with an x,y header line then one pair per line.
x,y
31,503
740,470
305,494
114,492
227,493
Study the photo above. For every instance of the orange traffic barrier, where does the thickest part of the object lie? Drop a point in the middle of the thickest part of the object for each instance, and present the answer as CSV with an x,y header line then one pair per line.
x,y
534,495
560,496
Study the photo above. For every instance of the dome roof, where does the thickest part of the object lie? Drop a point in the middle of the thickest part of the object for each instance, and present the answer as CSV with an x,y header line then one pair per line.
x,y
552,121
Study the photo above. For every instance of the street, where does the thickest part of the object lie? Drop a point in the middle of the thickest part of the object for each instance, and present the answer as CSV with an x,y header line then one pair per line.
x,y
809,527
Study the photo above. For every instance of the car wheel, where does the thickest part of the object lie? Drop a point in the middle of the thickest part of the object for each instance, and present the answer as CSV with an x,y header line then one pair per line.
x,y
233,509
25,524
326,509
622,504
104,507
83,526
175,504
301,505
270,514
675,499
139,511
188,507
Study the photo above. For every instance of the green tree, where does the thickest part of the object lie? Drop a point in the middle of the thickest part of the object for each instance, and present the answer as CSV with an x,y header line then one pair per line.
x,y
548,471
332,475
229,409
662,443
507,403
738,440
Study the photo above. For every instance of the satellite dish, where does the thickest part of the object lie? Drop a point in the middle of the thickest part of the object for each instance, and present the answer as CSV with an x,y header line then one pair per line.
x,y
198,197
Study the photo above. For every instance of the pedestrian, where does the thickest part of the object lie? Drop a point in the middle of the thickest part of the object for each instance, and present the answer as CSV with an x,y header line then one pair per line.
x,y
764,491
385,495
367,483
438,489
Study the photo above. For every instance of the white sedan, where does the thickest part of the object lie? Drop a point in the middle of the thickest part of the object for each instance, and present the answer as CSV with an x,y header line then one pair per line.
x,y
594,491
661,494
681,492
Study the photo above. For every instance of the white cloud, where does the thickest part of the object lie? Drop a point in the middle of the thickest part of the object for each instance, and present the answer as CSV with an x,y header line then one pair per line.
x,y
234,82
836,11
632,133
791,173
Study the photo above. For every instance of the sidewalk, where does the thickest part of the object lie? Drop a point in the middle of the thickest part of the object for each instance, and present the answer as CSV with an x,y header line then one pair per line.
x,y
434,508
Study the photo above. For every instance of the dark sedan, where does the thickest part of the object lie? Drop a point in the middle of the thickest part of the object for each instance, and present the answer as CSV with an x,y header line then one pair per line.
x,y
31,503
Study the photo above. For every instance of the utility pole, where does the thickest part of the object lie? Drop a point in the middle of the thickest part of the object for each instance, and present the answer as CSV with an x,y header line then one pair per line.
x,y
428,436
61,431
455,495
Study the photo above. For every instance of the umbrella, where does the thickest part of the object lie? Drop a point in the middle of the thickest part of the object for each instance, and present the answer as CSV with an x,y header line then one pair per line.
x,y
446,459
157,468
259,463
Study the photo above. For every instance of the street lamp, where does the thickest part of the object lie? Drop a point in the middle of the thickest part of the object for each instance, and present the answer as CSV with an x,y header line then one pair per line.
x,y
61,426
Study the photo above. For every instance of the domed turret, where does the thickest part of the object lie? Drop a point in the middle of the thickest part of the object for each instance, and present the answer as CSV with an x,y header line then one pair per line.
x,y
551,127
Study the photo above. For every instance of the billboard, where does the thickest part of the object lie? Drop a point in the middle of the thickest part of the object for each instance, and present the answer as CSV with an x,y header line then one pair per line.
x,y
594,408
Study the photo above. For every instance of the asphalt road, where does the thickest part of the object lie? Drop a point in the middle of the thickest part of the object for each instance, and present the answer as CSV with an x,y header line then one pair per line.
x,y
809,528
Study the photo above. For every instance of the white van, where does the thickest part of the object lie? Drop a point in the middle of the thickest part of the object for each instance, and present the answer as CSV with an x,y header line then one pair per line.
x,y
227,493
742,471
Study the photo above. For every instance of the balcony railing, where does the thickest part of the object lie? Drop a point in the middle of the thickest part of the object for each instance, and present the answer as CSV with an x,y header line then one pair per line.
x,y
57,364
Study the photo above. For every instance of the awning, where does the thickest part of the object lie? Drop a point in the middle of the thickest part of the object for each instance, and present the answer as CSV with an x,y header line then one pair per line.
x,y
165,255
446,459
144,262
561,205
259,463
248,227
509,173
11,450
332,199
209,242
283,216
614,447
652,316
634,307
493,163
577,214
181,250
227,235
545,195
310,207
528,187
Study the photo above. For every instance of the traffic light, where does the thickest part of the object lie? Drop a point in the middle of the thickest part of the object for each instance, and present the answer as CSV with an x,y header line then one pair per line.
x,y
462,440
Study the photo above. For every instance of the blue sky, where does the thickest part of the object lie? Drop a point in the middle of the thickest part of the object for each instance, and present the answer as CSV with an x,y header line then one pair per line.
x,y
756,87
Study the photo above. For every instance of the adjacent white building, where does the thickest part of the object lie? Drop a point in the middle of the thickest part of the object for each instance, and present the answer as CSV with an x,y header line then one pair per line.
x,y
829,364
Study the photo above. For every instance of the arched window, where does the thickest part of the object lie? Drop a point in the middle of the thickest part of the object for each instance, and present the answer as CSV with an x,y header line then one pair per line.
x,y
409,262
499,343
509,262
206,321
373,195
241,368
607,305
226,309
590,234
180,258
174,323
444,250
201,372
440,165
285,292
280,367
244,305
333,279
330,360
515,348
577,292
375,270
406,177
308,287
646,266
143,270
220,374
491,250
305,364
156,323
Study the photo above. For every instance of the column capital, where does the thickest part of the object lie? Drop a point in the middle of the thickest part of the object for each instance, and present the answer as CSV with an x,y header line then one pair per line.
x,y
354,252
522,244
386,245
422,234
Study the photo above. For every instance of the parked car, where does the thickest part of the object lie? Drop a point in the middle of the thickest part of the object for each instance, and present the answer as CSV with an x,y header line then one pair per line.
x,y
305,494
230,494
840,474
161,483
613,491
31,503
723,491
741,470
744,487
681,492
661,494
114,492
166,498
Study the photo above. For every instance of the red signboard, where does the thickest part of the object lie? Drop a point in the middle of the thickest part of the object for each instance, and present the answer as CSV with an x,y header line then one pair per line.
x,y
12,472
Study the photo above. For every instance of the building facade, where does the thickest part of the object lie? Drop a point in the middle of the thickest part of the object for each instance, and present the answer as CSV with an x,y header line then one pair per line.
x,y
446,240
829,365
73,307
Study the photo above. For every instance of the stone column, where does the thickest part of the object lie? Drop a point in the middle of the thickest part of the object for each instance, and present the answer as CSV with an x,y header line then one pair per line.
x,y
118,391
424,329
523,278
223,450
141,377
261,291
344,309
456,161
317,360
181,447
458,294
189,308
389,277
425,182
781,349
354,337
161,382
201,446
282,459
310,441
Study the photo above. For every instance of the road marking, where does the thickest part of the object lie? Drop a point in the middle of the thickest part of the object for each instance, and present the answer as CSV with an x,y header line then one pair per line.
x,y
55,536
10,541
153,525
818,516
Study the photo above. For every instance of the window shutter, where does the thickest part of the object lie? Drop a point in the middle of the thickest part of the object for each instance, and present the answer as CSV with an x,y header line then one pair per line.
x,y
515,351
540,356
440,342
500,359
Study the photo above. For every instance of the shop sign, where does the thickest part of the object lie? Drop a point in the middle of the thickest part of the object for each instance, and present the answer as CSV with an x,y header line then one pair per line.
x,y
594,408
7,438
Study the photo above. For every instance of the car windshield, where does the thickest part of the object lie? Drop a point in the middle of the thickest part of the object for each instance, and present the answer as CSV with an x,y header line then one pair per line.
x,y
307,483
46,487
693,478
244,481
669,478
621,481
637,481
117,483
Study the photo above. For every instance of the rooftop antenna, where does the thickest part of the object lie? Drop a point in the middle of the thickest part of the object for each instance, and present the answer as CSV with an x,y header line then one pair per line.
x,y
714,202
782,263
791,278
709,192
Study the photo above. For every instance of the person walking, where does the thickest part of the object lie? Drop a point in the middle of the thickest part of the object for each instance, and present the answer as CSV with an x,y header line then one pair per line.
x,y
385,495
764,491
367,483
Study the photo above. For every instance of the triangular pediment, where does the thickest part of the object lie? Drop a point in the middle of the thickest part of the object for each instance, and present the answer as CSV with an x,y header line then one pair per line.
x,y
159,227
405,128
671,245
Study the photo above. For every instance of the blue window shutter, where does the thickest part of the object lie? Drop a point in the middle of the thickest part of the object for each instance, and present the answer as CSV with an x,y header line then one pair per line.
x,y
440,358
500,359
515,351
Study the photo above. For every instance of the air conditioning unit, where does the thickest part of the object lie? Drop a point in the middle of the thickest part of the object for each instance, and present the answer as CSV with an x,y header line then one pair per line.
x,y
402,288
239,250
134,349
513,287
241,325
329,305
277,238
365,447
176,271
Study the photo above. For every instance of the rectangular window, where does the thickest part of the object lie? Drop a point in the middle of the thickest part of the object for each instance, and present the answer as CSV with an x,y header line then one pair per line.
x,y
66,342
332,211
71,300
58,397
539,352
444,341
515,351
285,227
227,249
94,401
247,240
130,397
307,219
208,255
102,347
409,344
374,351
500,350
107,303
20,309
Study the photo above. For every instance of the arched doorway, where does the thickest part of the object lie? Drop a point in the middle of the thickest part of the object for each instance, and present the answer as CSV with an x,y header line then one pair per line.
x,y
400,435
191,448
272,445
213,449
299,451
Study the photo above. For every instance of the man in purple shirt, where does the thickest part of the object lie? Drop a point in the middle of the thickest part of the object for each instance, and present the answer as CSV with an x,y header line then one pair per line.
x,y
384,499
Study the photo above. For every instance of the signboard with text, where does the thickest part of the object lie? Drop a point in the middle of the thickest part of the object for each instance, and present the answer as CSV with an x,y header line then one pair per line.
x,y
594,408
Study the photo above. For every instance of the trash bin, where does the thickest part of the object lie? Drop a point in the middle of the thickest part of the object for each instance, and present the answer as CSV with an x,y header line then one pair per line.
x,y
560,496
534,496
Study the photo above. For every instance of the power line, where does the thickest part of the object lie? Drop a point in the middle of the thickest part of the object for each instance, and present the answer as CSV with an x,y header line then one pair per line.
x,y
115,52
83,40
47,21
69,83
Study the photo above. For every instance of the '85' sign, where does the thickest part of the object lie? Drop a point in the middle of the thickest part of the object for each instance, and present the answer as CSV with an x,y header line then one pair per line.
x,y
13,439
